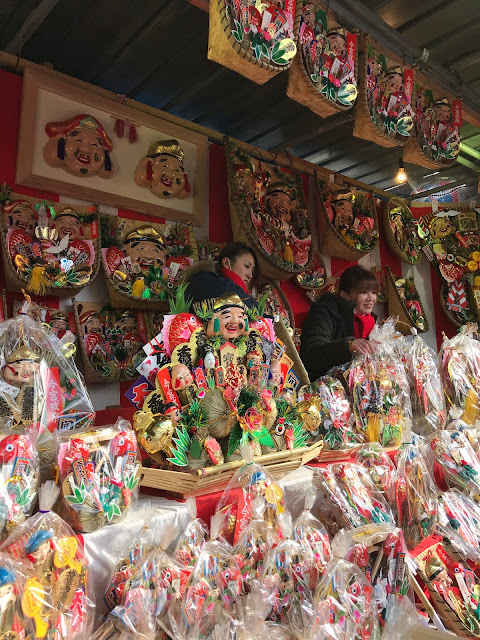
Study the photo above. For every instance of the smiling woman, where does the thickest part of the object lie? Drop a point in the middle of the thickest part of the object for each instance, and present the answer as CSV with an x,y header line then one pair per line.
x,y
236,272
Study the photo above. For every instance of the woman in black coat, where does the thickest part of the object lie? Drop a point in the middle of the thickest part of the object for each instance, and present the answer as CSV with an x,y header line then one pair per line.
x,y
237,272
337,326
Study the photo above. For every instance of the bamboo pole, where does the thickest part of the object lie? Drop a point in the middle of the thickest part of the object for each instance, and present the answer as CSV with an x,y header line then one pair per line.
x,y
20,64
236,464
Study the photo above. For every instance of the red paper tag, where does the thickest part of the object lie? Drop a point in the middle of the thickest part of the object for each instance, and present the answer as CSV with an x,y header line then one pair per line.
x,y
163,377
408,83
53,398
94,229
200,379
351,48
244,512
290,7
71,323
457,113
141,322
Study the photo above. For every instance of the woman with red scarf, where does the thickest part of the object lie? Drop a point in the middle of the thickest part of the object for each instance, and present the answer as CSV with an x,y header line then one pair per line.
x,y
236,272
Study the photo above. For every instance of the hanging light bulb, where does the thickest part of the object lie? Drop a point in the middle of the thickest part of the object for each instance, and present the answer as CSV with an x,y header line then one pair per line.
x,y
401,175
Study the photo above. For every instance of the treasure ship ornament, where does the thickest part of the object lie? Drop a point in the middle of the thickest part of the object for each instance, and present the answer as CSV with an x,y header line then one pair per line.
x,y
220,388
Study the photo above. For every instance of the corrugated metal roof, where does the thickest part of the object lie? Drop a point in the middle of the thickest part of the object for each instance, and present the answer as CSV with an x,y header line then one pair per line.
x,y
155,51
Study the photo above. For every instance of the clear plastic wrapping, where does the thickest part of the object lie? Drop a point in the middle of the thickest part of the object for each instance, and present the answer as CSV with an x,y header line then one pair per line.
x,y
415,494
193,538
157,583
456,457
380,552
19,476
354,497
289,573
257,539
459,521
57,597
16,582
426,390
39,382
328,398
212,590
99,473
343,606
380,391
381,470
309,531
248,482
131,558
460,369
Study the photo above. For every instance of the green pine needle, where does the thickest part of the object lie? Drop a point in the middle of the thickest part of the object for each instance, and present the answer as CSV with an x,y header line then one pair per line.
x,y
178,302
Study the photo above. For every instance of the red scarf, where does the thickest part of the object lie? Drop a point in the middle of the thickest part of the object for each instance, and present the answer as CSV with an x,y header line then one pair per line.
x,y
231,275
362,325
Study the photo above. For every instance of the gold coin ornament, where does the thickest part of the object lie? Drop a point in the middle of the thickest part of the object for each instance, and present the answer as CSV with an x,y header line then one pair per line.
x,y
99,473
55,597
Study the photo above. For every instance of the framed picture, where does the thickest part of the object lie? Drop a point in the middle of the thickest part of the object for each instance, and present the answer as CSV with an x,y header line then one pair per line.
x,y
79,144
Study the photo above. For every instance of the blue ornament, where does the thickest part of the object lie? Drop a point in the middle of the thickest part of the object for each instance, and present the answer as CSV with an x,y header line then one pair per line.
x,y
37,539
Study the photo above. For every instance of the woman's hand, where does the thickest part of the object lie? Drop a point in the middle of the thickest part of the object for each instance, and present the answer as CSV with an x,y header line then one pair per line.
x,y
361,346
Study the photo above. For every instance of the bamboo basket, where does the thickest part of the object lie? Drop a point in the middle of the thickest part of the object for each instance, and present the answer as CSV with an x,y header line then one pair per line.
x,y
216,478
317,261
91,374
3,305
443,303
392,242
397,307
123,299
15,282
449,618
413,153
302,89
363,126
244,231
224,49
332,243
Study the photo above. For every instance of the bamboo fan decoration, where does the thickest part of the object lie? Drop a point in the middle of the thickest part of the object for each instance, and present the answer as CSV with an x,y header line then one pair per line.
x,y
110,341
435,142
49,248
143,261
257,41
404,302
401,232
384,114
347,222
323,73
269,213
277,305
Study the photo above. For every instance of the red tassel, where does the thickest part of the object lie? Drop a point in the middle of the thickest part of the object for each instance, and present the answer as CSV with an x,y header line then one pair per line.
x,y
132,133
149,171
187,184
119,128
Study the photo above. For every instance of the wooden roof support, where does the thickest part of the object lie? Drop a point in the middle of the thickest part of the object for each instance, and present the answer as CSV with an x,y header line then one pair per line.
x,y
285,159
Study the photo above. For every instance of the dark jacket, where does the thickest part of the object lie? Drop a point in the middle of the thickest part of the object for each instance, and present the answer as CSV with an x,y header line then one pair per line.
x,y
204,283
326,333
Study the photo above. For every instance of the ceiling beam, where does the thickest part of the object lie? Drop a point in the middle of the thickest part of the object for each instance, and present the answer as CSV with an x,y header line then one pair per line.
x,y
33,20
445,187
329,123
353,13
467,60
